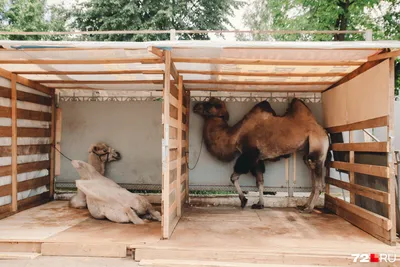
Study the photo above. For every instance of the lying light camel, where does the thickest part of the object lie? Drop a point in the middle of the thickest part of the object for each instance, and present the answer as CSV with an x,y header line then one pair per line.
x,y
106,199
264,136
99,155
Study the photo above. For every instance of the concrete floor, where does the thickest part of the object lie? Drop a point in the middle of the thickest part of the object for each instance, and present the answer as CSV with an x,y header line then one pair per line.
x,y
53,261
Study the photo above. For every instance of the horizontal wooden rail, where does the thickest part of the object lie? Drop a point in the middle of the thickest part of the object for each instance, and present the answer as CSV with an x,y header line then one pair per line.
x,y
24,96
77,72
361,190
263,74
33,166
81,61
5,190
33,183
5,131
362,147
372,123
100,81
264,61
370,222
5,151
224,82
379,171
33,201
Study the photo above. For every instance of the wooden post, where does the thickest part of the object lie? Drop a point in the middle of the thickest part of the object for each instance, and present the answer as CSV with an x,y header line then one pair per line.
x,y
179,138
187,143
53,144
14,163
165,147
57,168
390,161
351,173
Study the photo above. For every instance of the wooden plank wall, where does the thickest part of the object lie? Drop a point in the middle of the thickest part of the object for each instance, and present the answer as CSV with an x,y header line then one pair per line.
x,y
30,113
381,227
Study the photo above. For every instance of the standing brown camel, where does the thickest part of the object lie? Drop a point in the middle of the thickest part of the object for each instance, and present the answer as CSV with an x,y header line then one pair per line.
x,y
262,135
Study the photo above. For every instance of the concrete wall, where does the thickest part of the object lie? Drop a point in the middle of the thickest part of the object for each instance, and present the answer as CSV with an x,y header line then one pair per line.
x,y
209,172
132,128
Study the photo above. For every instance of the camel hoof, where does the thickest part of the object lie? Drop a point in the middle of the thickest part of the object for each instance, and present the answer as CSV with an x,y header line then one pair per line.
x,y
257,206
244,202
306,210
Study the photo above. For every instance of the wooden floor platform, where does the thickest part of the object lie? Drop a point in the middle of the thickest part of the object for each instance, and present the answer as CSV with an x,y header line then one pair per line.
x,y
278,235
56,229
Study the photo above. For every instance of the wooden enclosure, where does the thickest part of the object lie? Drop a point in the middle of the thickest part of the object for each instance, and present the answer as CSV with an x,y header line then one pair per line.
x,y
355,80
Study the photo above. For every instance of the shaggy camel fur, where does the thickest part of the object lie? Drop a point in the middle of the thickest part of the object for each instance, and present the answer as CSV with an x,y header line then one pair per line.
x,y
262,135
106,199
99,155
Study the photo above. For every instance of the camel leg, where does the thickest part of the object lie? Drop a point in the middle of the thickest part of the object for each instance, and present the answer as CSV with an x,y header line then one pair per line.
x,y
155,215
133,216
235,180
258,173
317,188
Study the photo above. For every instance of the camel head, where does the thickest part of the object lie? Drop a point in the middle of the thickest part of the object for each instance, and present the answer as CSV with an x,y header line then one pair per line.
x,y
213,108
104,152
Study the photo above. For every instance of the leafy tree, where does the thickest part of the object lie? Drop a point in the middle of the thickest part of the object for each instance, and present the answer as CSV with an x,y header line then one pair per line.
x,y
101,15
32,16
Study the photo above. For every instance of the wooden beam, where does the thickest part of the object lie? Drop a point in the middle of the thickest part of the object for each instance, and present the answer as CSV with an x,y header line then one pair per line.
x,y
351,173
379,171
174,73
239,61
77,87
179,159
166,147
362,147
105,72
361,190
5,151
372,123
363,68
57,159
23,81
392,54
81,61
254,90
263,74
253,82
24,96
156,51
53,144
14,163
100,82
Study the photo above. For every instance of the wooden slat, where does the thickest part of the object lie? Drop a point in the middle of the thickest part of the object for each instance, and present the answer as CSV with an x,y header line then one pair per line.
x,y
81,61
5,170
35,85
374,224
33,183
372,123
33,201
223,82
173,144
379,171
5,151
77,72
173,122
5,190
33,132
33,115
174,101
14,134
33,166
5,112
263,74
361,190
57,167
256,90
5,131
33,98
362,147
238,61
156,51
351,173
174,90
5,211
173,164
53,143
100,81
174,73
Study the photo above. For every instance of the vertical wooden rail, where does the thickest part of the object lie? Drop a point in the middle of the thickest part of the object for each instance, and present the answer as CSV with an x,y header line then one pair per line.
x,y
57,159
14,163
53,144
179,150
187,143
390,161
165,147
351,173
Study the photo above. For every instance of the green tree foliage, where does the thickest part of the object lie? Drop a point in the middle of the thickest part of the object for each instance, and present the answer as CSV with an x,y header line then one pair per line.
x,y
382,16
32,16
102,15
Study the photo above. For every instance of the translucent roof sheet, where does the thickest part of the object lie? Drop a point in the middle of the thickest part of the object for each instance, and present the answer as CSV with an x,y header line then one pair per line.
x,y
208,65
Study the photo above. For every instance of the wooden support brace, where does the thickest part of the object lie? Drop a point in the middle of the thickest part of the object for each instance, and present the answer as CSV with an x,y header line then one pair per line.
x,y
14,162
